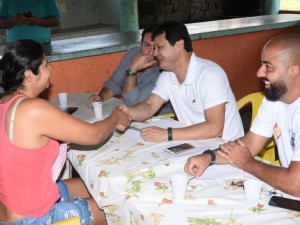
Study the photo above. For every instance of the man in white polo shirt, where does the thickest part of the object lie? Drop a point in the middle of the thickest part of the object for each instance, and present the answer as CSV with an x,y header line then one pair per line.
x,y
197,88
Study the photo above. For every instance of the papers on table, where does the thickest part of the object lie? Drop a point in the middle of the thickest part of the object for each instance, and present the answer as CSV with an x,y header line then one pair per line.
x,y
222,172
213,172
163,123
200,146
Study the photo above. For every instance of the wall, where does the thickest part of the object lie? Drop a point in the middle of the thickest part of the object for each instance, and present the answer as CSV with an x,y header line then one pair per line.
x,y
155,11
76,13
239,55
188,11
84,14
81,75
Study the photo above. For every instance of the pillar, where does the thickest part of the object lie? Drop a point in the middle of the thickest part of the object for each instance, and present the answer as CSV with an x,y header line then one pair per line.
x,y
271,7
129,15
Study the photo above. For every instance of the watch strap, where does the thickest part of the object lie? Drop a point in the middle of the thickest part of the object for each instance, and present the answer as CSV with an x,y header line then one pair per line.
x,y
129,73
170,134
213,156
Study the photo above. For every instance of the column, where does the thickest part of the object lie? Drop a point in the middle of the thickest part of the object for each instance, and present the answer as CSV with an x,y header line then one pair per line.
x,y
271,7
129,15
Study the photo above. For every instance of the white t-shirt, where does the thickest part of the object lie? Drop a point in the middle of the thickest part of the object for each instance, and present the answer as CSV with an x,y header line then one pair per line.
x,y
283,122
206,85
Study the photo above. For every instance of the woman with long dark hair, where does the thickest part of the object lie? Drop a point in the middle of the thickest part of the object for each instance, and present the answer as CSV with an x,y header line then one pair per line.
x,y
30,155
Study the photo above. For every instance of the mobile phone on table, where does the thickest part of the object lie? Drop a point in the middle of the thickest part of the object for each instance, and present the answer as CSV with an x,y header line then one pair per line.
x,y
177,149
71,110
285,203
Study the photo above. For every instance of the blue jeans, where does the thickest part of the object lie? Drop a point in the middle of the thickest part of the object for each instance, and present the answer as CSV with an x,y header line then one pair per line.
x,y
64,208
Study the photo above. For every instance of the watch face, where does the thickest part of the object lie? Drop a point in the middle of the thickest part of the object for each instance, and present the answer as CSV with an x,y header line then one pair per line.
x,y
130,74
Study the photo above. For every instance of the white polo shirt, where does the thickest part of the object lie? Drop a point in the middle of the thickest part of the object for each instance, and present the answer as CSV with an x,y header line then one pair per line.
x,y
206,85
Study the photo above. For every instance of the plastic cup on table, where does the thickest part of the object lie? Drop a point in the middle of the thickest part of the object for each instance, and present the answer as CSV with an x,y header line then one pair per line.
x,y
179,184
252,190
63,100
97,106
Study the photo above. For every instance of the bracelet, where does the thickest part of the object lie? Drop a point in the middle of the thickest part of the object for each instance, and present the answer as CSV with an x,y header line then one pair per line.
x,y
129,73
170,134
213,156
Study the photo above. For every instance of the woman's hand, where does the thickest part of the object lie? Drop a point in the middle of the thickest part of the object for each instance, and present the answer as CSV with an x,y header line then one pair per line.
x,y
123,119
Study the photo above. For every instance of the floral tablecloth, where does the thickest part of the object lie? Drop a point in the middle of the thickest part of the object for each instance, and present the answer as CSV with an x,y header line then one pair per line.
x,y
131,182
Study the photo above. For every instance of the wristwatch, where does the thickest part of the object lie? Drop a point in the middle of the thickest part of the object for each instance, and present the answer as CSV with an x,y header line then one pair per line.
x,y
213,156
129,73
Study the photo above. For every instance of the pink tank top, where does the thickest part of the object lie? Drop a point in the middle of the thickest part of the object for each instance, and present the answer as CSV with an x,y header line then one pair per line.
x,y
26,185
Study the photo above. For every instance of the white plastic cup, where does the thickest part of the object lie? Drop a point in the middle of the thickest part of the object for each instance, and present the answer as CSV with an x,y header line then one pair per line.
x,y
97,106
252,190
179,184
63,100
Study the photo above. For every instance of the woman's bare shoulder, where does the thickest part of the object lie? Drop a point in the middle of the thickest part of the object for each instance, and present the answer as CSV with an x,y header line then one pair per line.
x,y
38,105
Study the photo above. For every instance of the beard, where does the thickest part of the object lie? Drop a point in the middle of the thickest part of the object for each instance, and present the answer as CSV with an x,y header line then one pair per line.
x,y
275,91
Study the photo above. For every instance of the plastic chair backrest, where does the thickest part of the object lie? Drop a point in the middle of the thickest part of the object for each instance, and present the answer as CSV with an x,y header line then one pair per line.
x,y
168,114
70,221
255,99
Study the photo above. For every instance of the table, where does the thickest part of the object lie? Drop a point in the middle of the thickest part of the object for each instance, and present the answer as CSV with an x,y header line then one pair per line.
x,y
85,114
130,180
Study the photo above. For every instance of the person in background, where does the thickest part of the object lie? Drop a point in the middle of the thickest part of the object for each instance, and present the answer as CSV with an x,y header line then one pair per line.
x,y
31,158
29,19
278,116
197,88
135,77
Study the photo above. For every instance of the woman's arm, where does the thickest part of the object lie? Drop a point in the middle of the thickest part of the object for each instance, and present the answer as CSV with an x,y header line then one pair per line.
x,y
37,120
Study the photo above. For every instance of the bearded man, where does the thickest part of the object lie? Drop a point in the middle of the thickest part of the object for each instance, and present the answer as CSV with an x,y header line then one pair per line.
x,y
278,116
